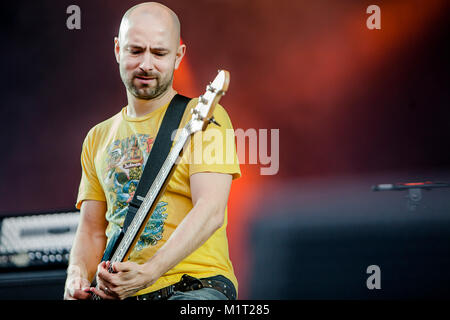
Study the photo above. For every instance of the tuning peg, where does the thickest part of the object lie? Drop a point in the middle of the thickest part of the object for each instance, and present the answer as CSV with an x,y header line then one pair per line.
x,y
196,113
214,121
203,100
209,87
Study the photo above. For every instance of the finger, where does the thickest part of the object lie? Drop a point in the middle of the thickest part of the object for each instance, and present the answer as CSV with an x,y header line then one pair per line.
x,y
102,294
102,286
101,265
73,285
80,294
68,294
105,294
106,277
108,291
75,294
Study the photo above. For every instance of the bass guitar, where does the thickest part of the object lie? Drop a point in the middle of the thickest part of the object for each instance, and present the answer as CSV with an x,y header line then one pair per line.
x,y
121,244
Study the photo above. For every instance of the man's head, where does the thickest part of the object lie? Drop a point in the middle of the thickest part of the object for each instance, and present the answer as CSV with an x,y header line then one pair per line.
x,y
148,49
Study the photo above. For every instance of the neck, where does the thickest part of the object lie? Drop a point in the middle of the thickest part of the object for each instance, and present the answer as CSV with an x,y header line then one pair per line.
x,y
140,107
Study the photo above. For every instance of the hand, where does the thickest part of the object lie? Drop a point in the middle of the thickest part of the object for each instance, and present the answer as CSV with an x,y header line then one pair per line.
x,y
76,287
127,279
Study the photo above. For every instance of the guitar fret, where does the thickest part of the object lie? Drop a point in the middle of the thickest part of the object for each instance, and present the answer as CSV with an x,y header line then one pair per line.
x,y
150,197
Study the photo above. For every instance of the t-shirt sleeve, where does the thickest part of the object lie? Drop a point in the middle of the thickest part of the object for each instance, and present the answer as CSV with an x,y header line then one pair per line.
x,y
90,187
214,150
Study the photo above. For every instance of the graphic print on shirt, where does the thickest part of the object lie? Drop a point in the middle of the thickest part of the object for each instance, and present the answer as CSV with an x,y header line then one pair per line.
x,y
124,166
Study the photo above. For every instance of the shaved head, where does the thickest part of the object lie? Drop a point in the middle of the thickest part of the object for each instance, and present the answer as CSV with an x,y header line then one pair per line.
x,y
148,50
151,10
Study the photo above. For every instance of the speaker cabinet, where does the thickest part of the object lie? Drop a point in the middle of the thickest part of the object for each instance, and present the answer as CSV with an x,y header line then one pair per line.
x,y
32,285
344,241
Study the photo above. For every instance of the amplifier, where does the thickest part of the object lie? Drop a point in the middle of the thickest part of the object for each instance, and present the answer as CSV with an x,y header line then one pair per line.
x,y
37,241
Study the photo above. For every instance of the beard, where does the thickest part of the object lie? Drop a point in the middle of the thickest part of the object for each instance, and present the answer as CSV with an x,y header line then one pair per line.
x,y
146,91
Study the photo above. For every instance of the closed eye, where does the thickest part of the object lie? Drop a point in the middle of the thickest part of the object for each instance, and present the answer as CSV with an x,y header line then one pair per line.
x,y
160,52
135,50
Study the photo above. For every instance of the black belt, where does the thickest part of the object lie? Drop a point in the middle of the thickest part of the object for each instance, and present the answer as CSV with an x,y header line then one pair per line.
x,y
188,283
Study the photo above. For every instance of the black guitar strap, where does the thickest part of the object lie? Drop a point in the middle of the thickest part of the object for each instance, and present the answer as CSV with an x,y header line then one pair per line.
x,y
158,154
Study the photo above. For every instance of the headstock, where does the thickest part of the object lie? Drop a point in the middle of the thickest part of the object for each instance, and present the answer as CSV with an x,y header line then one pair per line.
x,y
202,114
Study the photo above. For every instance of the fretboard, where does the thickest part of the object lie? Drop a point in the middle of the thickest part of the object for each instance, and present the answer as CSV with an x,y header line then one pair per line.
x,y
144,212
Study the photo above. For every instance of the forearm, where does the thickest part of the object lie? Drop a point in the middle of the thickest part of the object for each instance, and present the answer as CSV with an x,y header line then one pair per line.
x,y
86,254
87,248
197,227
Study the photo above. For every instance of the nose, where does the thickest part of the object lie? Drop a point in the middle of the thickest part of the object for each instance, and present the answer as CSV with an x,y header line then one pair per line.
x,y
147,62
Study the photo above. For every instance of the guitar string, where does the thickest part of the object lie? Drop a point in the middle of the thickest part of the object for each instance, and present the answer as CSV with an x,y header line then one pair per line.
x,y
149,199
142,212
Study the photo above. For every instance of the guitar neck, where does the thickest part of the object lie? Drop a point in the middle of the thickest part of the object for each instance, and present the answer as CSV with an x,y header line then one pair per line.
x,y
202,115
148,205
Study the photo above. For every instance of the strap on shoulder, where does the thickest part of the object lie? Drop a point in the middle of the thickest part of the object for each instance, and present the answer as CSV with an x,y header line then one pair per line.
x,y
158,153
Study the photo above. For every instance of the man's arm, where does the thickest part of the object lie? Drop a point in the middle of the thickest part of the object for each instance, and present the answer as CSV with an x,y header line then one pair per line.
x,y
87,249
209,197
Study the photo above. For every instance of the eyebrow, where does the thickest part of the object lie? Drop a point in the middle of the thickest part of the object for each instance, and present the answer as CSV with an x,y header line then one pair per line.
x,y
159,49
135,46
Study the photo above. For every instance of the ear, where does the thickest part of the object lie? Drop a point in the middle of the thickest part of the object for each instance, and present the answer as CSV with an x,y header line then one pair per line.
x,y
117,49
179,55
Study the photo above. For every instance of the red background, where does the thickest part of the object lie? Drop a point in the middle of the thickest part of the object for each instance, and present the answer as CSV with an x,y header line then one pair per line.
x,y
347,100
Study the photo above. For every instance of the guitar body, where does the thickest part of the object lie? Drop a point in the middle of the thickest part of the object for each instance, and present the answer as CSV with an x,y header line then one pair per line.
x,y
112,245
107,255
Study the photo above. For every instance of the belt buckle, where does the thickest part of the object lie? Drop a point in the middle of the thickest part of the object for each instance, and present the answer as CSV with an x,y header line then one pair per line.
x,y
166,292
190,283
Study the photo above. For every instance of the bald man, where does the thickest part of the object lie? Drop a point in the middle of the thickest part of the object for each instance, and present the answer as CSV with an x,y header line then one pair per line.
x,y
183,251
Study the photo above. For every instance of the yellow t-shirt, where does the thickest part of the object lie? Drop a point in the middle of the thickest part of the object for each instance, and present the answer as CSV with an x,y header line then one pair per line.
x,y
113,157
